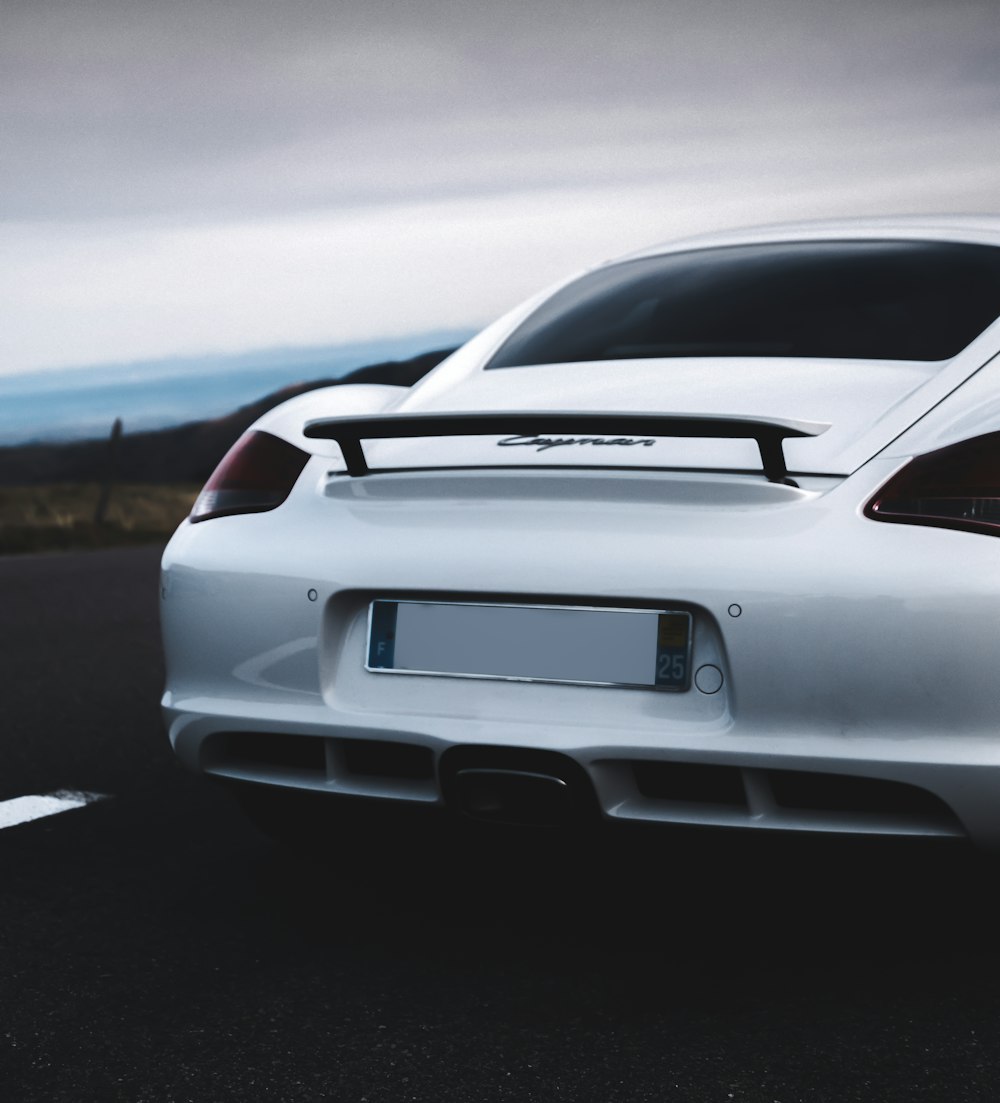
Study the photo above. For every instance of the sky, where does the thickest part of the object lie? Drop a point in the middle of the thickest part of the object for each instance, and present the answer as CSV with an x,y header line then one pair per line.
x,y
185,177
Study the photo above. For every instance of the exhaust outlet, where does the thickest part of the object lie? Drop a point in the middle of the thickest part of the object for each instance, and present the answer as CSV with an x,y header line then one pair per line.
x,y
509,786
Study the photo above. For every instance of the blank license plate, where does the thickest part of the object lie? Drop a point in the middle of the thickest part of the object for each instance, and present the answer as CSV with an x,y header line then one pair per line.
x,y
639,648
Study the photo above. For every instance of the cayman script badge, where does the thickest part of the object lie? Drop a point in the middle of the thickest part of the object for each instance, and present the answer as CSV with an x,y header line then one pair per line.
x,y
542,444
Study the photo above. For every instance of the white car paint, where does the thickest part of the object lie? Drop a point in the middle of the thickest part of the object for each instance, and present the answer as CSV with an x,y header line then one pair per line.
x,y
846,647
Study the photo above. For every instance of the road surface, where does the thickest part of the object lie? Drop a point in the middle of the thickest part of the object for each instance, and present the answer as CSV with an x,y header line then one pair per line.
x,y
154,948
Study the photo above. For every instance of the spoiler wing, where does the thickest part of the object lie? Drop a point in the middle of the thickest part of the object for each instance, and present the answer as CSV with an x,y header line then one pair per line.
x,y
349,432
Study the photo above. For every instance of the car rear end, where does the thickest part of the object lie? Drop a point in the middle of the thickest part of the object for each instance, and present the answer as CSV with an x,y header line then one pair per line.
x,y
373,631
827,651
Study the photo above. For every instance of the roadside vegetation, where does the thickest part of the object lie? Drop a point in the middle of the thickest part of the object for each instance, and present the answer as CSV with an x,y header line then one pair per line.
x,y
62,495
62,516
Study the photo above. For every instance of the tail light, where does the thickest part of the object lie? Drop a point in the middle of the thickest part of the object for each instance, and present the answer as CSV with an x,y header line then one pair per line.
x,y
957,487
255,475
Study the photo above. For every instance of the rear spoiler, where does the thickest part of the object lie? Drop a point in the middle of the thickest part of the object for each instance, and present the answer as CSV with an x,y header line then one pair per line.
x,y
349,432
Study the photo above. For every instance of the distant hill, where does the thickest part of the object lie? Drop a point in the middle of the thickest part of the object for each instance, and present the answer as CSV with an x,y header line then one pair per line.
x,y
184,453
80,403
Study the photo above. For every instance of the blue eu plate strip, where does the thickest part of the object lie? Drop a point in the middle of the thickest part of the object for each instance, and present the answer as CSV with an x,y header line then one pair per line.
x,y
382,639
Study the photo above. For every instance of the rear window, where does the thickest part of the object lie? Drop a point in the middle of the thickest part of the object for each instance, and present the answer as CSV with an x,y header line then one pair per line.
x,y
880,300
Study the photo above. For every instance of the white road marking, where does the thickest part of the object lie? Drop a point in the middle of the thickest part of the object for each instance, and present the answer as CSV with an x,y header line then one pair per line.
x,y
25,809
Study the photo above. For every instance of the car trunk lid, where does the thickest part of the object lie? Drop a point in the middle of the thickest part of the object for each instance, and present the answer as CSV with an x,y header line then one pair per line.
x,y
865,404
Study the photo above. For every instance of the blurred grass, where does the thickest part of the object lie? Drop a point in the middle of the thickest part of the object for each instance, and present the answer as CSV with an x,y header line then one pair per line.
x,y
60,516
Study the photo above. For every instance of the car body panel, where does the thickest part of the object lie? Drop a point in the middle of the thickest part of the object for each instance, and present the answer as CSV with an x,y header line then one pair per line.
x,y
846,647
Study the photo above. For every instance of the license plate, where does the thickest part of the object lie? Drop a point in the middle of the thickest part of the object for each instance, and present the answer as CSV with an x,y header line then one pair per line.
x,y
635,648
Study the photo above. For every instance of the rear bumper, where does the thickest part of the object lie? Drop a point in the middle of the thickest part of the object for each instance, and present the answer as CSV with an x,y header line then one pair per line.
x,y
734,784
853,654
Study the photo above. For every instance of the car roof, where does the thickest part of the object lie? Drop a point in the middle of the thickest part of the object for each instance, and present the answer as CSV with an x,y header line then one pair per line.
x,y
974,229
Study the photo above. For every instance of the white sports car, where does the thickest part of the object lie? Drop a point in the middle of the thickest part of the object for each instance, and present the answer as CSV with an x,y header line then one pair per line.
x,y
703,536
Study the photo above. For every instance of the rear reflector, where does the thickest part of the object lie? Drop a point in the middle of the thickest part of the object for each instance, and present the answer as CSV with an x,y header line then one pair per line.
x,y
957,487
255,475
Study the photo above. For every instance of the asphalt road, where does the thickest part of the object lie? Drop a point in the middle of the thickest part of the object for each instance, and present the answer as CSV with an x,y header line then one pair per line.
x,y
154,948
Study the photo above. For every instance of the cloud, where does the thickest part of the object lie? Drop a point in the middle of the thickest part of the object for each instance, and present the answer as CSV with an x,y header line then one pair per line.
x,y
124,291
114,108
188,176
